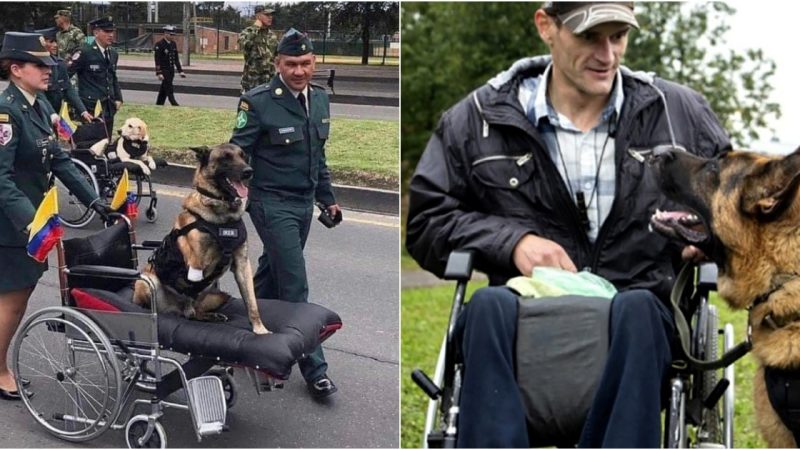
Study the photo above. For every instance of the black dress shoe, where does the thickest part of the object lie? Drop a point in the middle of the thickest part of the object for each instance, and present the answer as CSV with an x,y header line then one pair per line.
x,y
322,387
10,395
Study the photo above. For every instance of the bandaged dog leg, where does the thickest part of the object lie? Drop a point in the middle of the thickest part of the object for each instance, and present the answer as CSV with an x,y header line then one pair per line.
x,y
195,274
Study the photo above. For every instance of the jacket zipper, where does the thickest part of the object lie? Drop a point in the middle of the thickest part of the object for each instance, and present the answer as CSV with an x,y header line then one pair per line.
x,y
521,159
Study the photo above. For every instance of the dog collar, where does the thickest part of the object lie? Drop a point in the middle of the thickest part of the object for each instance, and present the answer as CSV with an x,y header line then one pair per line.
x,y
235,202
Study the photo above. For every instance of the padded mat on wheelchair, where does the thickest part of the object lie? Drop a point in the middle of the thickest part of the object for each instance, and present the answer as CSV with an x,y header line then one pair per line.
x,y
297,328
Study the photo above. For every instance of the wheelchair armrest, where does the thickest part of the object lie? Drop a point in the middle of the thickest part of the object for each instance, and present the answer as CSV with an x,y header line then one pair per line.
x,y
706,278
104,272
459,266
147,245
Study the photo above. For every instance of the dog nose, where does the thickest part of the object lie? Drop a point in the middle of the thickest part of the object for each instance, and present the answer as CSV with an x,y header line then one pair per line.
x,y
247,173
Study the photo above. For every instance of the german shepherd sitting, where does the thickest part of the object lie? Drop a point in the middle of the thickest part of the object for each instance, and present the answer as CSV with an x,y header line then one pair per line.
x,y
208,238
744,215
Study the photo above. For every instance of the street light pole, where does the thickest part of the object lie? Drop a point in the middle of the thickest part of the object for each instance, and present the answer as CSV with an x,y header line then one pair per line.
x,y
218,10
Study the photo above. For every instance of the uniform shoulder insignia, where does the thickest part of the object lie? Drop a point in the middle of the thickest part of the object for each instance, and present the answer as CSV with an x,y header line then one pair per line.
x,y
4,118
259,89
244,106
76,55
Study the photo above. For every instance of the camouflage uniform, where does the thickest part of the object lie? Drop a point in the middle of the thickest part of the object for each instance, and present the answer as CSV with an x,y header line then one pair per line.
x,y
259,45
69,41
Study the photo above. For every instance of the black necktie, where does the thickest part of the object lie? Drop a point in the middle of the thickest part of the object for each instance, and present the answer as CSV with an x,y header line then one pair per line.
x,y
37,108
105,55
302,99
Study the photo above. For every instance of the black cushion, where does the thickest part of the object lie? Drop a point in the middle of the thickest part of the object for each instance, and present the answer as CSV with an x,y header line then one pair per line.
x,y
297,329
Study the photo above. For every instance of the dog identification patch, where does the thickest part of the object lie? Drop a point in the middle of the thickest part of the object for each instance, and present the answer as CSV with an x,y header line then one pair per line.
x,y
286,130
6,133
231,233
241,119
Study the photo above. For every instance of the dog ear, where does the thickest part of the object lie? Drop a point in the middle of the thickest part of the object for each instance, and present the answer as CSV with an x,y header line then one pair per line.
x,y
769,191
202,153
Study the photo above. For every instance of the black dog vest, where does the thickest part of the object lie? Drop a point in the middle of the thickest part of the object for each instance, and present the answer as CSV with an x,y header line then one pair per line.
x,y
134,148
783,390
168,260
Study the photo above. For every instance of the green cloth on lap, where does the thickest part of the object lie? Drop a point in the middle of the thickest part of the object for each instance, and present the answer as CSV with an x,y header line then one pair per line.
x,y
553,282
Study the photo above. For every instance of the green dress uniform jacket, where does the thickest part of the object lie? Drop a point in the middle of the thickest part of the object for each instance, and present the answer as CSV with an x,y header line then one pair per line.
x,y
97,80
29,152
60,88
286,149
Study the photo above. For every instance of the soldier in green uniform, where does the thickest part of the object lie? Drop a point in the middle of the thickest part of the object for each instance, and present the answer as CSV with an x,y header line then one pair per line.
x,y
96,67
258,44
283,127
70,38
29,152
60,88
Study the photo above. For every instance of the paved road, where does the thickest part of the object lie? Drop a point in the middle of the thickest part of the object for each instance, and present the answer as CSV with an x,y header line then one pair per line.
x,y
353,270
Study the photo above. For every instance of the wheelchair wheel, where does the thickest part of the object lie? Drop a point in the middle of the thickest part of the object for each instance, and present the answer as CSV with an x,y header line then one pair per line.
x,y
711,431
228,385
70,210
137,428
75,385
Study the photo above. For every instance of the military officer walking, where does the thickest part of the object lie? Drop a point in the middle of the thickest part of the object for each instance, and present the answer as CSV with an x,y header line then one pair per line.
x,y
96,67
70,38
29,152
283,127
60,89
258,44
167,62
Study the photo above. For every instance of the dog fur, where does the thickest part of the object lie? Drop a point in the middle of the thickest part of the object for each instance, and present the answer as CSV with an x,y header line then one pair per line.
x,y
133,129
221,168
749,208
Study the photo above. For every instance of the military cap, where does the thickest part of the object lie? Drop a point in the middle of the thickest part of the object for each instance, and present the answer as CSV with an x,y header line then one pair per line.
x,y
48,33
103,23
27,47
169,29
264,10
580,16
63,13
295,43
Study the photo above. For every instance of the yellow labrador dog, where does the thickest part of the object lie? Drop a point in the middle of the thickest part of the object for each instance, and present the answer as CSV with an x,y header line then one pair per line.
x,y
131,146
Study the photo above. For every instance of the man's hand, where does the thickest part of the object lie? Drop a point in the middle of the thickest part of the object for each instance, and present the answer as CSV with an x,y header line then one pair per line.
x,y
118,104
86,116
258,23
533,251
183,75
160,77
690,253
334,210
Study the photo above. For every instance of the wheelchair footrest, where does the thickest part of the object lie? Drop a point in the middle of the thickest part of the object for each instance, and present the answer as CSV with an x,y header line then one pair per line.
x,y
207,401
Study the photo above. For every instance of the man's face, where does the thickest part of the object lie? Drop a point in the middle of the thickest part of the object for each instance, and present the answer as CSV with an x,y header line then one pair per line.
x,y
168,37
265,19
588,61
104,37
296,70
51,45
62,23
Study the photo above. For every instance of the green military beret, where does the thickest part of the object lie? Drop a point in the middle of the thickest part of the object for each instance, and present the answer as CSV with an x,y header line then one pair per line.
x,y
63,13
295,43
264,10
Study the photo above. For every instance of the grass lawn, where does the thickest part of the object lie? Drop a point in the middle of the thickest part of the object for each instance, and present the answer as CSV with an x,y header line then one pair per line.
x,y
359,152
424,315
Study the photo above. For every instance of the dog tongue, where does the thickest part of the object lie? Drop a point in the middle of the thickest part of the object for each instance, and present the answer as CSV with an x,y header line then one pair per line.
x,y
241,189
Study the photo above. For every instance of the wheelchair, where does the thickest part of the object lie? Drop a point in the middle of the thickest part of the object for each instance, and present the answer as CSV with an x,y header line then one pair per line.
x,y
99,362
700,398
102,174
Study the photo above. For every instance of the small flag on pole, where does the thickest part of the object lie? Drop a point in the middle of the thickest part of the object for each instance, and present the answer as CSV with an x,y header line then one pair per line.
x,y
124,202
65,126
98,109
46,228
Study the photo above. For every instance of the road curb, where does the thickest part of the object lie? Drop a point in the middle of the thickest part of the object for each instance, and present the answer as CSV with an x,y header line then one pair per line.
x,y
357,198
374,79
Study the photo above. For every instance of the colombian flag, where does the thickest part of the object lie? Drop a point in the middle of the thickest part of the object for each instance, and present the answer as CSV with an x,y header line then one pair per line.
x,y
65,127
124,202
46,228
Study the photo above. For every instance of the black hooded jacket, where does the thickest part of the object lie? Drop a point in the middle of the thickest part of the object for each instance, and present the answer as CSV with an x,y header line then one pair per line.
x,y
486,179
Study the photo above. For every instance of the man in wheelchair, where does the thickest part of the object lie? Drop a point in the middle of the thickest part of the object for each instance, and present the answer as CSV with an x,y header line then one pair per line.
x,y
545,166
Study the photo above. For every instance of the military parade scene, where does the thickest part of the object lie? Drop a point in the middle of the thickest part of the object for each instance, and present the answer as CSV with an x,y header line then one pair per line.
x,y
199,221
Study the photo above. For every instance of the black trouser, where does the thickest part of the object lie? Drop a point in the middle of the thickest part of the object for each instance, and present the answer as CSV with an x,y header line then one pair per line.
x,y
167,89
109,110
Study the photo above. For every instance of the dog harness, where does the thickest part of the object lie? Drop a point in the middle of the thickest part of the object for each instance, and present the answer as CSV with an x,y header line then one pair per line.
x,y
168,259
134,148
783,390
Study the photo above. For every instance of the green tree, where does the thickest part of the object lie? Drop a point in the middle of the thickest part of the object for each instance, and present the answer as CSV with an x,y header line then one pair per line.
x,y
450,49
371,18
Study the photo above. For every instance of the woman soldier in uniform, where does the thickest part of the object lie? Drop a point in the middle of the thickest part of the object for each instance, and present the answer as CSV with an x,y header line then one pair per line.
x,y
29,151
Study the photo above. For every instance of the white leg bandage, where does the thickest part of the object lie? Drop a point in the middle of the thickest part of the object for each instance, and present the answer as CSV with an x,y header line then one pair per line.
x,y
195,274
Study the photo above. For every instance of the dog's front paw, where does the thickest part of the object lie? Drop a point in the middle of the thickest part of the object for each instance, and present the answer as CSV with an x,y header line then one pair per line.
x,y
145,170
152,165
260,329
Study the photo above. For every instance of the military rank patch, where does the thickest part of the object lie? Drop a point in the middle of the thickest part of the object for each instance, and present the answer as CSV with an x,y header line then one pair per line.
x,y
6,133
241,119
244,106
3,118
76,55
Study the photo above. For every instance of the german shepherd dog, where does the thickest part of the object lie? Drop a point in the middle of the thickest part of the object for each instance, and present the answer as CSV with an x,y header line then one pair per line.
x,y
743,214
208,238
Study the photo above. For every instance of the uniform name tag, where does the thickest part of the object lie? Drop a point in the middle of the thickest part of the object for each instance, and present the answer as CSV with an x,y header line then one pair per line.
x,y
229,232
286,130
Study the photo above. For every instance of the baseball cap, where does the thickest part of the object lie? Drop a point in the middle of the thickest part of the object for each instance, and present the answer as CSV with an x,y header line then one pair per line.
x,y
581,16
